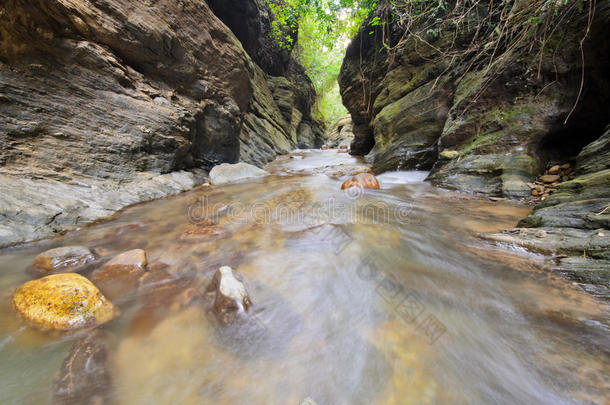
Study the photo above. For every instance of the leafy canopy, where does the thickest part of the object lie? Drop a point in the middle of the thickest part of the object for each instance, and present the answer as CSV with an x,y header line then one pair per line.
x,y
324,29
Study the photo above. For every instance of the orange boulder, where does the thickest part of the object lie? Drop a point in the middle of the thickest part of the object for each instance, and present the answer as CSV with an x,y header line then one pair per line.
x,y
361,180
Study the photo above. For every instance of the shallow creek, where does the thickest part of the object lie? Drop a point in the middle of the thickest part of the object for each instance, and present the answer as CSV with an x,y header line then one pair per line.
x,y
381,297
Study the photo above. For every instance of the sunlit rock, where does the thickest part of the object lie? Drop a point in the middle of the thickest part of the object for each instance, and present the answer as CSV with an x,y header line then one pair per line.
x,y
63,257
63,302
449,154
231,295
361,180
229,173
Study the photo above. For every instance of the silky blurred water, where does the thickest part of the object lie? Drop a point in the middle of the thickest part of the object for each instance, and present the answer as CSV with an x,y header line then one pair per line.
x,y
378,297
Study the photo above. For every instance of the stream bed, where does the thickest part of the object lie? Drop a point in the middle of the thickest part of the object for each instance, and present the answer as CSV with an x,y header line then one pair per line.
x,y
378,297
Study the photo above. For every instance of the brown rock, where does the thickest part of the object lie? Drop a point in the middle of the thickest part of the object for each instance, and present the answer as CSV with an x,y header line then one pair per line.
x,y
325,147
159,290
549,178
231,295
120,276
535,193
63,257
135,258
362,180
84,376
565,166
202,232
554,170
63,302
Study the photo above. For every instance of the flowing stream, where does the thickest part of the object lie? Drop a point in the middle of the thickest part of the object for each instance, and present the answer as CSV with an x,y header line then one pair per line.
x,y
382,297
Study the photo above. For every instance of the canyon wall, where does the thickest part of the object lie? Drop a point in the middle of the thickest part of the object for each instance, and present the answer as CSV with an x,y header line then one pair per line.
x,y
108,103
489,104
485,115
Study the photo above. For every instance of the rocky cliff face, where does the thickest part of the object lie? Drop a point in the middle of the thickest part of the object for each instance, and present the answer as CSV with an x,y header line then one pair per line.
x,y
489,116
107,103
485,116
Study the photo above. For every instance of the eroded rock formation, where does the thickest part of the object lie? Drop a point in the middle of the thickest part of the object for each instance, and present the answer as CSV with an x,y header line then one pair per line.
x,y
108,103
489,116
488,126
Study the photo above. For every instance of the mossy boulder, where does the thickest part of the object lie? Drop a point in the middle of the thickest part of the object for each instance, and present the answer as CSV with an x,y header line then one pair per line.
x,y
406,131
63,302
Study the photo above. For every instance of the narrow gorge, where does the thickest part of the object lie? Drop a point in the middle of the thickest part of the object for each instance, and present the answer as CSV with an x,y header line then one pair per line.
x,y
314,202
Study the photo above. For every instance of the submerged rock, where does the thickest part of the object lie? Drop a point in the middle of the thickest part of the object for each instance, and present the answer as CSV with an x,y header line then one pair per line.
x,y
63,302
362,180
231,295
204,232
120,276
230,173
63,257
135,258
84,377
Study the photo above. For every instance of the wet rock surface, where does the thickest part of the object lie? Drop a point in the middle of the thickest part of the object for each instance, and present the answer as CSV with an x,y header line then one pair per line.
x,y
230,295
231,173
85,376
574,212
63,257
63,302
361,180
120,276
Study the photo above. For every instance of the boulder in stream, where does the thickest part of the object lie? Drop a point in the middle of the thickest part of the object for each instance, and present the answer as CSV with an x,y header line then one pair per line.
x,y
361,180
84,377
231,295
121,275
229,173
63,301
63,257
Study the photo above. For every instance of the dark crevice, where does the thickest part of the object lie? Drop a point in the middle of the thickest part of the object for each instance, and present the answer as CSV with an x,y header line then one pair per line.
x,y
564,145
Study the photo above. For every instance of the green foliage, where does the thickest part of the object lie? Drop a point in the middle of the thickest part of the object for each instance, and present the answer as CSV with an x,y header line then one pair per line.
x,y
324,30
333,18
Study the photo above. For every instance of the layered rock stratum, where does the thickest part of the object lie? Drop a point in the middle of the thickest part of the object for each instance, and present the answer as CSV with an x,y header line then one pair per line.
x,y
108,103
